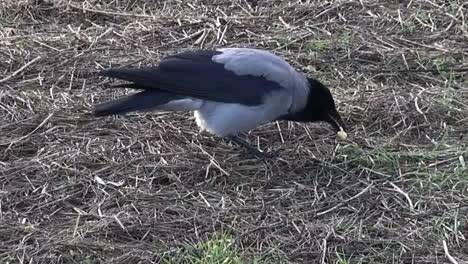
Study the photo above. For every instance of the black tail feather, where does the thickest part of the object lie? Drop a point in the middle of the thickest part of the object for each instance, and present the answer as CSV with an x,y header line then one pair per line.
x,y
143,101
128,85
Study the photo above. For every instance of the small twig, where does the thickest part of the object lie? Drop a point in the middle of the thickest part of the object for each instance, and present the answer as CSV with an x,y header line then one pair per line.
x,y
359,194
294,41
191,36
329,209
19,70
324,250
202,37
109,12
77,223
429,70
213,161
284,22
236,240
399,190
447,253
30,133
121,225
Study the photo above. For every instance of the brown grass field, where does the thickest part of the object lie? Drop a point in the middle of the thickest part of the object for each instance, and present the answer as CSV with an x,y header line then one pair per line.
x,y
147,188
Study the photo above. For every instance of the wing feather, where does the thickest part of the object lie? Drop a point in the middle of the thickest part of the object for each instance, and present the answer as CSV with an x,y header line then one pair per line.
x,y
197,75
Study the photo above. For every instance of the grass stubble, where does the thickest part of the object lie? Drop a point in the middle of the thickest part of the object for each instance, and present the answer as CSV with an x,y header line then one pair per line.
x,y
147,188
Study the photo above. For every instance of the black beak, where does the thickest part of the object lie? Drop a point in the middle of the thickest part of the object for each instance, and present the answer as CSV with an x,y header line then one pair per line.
x,y
335,120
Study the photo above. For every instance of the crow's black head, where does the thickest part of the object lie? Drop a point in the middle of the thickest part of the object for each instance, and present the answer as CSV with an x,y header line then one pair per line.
x,y
320,107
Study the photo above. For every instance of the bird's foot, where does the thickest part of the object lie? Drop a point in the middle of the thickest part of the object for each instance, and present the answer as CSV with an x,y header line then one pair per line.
x,y
253,150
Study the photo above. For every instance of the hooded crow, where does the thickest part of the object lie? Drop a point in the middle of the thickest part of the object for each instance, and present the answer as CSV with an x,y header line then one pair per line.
x,y
230,90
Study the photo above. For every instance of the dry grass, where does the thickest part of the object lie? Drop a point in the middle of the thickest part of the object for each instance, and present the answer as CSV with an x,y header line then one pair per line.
x,y
77,189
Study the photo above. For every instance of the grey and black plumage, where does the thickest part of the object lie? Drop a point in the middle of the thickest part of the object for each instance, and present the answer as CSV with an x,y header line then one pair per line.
x,y
230,90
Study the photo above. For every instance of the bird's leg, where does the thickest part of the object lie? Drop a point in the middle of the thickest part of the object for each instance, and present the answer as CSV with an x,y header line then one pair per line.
x,y
255,151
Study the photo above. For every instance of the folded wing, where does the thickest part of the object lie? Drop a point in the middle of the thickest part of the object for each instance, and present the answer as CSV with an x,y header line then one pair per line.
x,y
195,74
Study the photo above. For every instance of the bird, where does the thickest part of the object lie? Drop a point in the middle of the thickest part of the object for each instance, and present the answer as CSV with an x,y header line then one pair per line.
x,y
230,90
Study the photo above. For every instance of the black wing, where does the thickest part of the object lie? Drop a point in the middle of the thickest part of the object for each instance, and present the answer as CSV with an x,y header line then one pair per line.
x,y
195,74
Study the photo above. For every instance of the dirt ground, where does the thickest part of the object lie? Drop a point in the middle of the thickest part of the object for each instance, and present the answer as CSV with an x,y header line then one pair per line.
x,y
148,187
